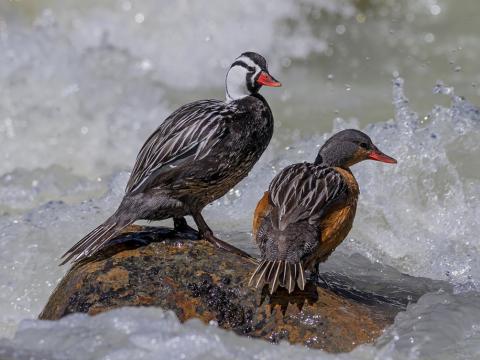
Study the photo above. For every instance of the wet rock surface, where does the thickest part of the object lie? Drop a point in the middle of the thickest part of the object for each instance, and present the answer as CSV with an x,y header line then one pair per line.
x,y
157,267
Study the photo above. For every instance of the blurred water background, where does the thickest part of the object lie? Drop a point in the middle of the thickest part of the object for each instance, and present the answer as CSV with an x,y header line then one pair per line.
x,y
83,83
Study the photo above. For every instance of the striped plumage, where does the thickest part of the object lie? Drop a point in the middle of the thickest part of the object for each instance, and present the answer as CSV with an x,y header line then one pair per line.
x,y
308,210
194,157
305,192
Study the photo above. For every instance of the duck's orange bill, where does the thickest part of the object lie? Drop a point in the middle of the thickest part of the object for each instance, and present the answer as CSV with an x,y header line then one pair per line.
x,y
377,155
267,80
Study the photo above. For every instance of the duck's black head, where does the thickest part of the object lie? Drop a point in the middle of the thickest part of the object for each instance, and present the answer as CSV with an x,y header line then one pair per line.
x,y
247,75
349,147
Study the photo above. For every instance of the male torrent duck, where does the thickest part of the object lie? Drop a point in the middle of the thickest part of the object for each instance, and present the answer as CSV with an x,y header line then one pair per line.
x,y
195,156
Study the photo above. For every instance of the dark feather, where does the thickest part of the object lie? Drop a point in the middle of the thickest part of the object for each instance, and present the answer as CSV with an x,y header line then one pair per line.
x,y
94,241
299,196
197,154
305,192
185,136
278,273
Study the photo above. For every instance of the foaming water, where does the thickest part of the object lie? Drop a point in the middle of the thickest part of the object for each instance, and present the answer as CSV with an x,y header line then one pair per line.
x,y
91,110
438,326
92,80
33,240
425,209
71,126
419,217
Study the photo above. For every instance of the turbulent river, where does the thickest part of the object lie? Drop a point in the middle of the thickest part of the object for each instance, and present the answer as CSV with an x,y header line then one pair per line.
x,y
82,84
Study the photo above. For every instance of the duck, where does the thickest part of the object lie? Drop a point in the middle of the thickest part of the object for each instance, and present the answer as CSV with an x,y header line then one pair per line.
x,y
196,155
308,211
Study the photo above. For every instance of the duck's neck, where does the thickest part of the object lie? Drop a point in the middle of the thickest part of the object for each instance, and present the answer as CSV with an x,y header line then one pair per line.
x,y
235,84
332,161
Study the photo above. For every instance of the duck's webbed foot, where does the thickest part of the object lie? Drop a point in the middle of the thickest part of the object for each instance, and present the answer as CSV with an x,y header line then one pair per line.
x,y
207,233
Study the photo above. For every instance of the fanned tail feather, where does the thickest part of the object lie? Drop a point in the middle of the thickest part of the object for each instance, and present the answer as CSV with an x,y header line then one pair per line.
x,y
94,240
278,273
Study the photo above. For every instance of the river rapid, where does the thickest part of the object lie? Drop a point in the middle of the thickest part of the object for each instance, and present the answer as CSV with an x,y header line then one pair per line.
x,y
83,84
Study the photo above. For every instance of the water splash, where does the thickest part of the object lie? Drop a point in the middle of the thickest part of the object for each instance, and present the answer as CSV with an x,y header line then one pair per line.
x,y
419,217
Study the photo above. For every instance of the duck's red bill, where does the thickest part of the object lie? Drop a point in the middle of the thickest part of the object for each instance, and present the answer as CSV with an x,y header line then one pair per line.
x,y
377,155
267,80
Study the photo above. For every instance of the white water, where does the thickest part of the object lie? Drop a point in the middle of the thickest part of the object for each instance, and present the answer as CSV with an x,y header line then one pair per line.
x,y
85,84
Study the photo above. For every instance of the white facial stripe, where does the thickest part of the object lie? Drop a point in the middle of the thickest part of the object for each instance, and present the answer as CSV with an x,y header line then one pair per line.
x,y
247,61
258,70
236,83
237,77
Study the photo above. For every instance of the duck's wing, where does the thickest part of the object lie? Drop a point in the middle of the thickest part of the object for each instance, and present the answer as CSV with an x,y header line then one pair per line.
x,y
299,192
187,135
305,192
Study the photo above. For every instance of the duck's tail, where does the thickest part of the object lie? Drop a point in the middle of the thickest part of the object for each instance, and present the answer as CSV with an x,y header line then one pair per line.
x,y
278,273
96,239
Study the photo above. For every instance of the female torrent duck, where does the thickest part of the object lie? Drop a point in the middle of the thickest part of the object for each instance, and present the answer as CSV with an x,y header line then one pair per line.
x,y
195,156
308,211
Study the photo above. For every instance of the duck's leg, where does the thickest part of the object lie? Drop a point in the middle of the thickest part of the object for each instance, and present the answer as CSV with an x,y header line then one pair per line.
x,y
180,224
316,277
207,233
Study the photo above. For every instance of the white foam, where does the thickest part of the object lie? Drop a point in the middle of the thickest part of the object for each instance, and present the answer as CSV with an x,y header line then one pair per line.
x,y
438,326
419,216
69,118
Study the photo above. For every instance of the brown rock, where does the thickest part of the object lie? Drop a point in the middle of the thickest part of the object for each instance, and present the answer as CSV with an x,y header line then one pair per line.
x,y
195,280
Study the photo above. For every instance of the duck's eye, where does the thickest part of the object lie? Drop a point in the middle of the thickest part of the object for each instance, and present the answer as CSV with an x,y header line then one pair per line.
x,y
364,145
250,69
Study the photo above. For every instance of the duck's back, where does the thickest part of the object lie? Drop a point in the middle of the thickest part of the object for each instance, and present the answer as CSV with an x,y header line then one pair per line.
x,y
204,149
306,213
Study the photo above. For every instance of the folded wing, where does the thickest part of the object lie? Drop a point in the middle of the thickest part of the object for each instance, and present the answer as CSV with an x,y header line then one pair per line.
x,y
300,192
305,192
187,135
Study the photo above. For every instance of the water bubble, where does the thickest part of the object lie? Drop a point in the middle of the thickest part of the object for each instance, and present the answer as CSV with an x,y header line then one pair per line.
x,y
440,88
361,18
429,38
139,18
340,29
146,65
435,9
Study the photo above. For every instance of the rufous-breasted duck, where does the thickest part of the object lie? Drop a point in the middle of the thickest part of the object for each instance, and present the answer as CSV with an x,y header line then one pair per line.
x,y
308,211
